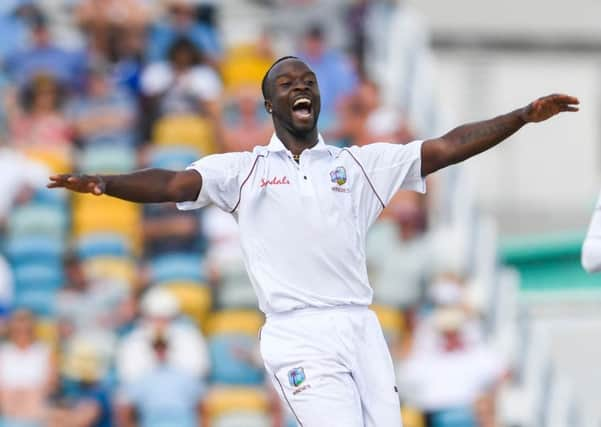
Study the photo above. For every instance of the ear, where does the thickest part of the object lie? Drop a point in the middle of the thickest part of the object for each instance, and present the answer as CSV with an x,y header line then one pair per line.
x,y
268,107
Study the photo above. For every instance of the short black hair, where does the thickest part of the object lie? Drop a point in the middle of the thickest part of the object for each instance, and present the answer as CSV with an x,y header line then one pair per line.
x,y
264,81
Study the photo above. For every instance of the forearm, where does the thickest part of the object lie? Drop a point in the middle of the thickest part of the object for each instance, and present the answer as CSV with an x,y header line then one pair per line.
x,y
144,186
474,138
591,248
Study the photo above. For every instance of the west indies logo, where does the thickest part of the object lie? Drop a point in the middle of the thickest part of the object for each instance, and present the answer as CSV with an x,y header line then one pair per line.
x,y
274,181
338,175
296,376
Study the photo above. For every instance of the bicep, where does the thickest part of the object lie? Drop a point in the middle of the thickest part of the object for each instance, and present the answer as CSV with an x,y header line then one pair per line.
x,y
185,185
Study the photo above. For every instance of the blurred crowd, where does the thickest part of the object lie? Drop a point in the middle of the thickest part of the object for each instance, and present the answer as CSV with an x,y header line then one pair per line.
x,y
117,314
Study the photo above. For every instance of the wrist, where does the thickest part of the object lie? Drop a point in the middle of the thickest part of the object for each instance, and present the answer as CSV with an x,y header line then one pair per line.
x,y
523,114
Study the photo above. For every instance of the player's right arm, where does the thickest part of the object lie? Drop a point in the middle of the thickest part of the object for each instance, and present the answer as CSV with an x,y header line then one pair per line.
x,y
143,186
591,248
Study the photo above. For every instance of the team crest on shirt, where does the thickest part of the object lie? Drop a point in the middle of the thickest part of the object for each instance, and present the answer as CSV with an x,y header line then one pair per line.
x,y
296,376
338,175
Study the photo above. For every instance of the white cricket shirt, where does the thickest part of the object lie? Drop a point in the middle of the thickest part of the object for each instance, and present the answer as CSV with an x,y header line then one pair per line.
x,y
303,225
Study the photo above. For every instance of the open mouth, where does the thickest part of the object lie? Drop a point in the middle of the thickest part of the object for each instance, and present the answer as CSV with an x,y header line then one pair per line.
x,y
302,108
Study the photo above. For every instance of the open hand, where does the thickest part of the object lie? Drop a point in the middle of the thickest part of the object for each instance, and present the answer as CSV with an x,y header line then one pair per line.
x,y
79,183
548,106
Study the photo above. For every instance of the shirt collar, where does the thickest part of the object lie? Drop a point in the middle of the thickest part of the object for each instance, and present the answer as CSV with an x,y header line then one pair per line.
x,y
276,145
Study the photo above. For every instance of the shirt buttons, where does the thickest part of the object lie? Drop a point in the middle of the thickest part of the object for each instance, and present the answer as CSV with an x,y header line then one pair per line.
x,y
305,177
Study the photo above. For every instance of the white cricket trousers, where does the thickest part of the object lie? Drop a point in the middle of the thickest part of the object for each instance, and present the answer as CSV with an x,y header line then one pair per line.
x,y
332,367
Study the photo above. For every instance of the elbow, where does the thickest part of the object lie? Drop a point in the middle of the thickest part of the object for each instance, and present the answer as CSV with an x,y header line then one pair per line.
x,y
591,257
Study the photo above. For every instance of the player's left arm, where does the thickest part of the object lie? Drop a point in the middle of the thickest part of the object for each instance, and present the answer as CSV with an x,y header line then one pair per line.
x,y
468,140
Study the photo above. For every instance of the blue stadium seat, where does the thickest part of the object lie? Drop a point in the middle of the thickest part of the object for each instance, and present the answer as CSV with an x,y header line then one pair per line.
x,y
455,417
107,159
228,367
34,249
102,245
173,158
38,218
178,267
46,275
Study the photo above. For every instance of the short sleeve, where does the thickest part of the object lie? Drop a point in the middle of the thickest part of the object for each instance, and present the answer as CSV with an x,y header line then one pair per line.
x,y
222,176
392,167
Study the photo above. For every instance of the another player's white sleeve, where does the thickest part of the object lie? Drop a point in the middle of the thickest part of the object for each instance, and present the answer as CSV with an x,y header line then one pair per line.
x,y
221,180
591,249
392,167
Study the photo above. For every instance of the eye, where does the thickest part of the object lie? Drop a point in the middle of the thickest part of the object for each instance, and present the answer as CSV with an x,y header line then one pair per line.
x,y
285,84
310,82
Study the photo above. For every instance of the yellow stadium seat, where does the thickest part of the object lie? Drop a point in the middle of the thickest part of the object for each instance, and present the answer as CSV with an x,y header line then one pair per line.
x,y
111,268
194,300
93,214
392,321
235,321
244,66
47,331
186,130
412,417
58,161
223,400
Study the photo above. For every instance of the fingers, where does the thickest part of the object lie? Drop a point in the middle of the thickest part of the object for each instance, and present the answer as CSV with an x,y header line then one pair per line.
x,y
58,181
564,99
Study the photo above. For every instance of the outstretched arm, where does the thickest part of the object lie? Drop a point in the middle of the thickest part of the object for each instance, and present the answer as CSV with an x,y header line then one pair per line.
x,y
144,186
468,140
591,248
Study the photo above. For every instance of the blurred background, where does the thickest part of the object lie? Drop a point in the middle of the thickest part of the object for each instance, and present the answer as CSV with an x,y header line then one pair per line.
x,y
114,314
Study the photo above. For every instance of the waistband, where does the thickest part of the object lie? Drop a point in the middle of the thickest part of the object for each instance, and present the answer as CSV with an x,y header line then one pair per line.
x,y
347,308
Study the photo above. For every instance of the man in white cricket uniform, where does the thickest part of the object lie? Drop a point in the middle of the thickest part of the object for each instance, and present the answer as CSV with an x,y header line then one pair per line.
x,y
304,209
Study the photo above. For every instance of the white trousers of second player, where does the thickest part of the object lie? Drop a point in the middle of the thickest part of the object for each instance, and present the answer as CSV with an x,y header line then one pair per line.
x,y
332,367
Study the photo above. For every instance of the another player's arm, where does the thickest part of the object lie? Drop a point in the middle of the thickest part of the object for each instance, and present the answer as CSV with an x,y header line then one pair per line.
x,y
468,140
591,248
144,186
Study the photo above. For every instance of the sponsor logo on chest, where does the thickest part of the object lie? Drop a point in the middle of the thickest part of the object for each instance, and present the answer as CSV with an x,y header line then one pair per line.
x,y
274,181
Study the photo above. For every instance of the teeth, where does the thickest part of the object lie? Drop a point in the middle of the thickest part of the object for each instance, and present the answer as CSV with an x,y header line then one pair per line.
x,y
302,101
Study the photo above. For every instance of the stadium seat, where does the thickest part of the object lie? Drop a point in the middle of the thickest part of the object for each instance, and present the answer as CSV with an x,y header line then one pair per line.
x,y
107,159
185,130
246,322
102,245
172,157
38,218
34,248
177,267
392,321
194,300
243,66
228,367
412,417
57,161
46,276
115,269
456,417
235,289
238,407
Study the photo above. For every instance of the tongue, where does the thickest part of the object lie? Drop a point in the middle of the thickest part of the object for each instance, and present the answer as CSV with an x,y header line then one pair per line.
x,y
303,113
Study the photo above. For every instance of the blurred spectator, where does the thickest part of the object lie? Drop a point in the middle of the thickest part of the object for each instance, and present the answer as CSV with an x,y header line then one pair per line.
x,y
89,308
43,57
246,123
429,379
15,23
27,371
184,84
165,395
6,291
105,114
36,123
400,235
168,230
400,59
182,21
20,176
107,22
187,348
336,75
83,400
364,119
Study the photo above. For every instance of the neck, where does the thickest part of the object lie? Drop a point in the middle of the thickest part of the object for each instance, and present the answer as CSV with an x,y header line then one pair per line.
x,y
296,143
